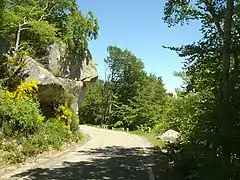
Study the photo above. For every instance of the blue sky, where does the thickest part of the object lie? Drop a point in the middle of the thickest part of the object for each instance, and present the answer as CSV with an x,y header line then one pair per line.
x,y
137,25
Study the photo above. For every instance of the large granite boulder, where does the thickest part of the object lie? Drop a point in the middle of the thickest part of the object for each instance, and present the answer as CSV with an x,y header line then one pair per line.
x,y
55,53
89,72
170,136
61,63
55,78
50,87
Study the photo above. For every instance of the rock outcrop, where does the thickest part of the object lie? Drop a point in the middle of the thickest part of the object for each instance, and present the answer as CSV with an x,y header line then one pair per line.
x,y
54,80
67,65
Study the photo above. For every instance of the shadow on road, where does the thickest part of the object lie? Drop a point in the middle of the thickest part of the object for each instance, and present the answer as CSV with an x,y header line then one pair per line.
x,y
115,163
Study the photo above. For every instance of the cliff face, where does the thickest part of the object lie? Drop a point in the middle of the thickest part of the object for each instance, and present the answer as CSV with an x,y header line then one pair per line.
x,y
57,73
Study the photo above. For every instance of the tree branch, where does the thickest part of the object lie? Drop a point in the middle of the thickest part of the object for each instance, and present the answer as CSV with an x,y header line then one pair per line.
x,y
21,45
24,19
22,29
20,48
17,40
215,17
32,9
49,12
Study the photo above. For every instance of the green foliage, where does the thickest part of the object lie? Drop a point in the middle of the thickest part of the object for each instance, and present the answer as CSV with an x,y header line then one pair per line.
x,y
185,114
74,125
19,116
211,126
136,97
24,131
68,99
149,101
128,97
12,70
64,114
90,111
52,134
126,73
57,73
33,25
12,151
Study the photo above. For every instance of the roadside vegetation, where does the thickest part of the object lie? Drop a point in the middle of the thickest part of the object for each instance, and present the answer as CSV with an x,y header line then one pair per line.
x,y
25,132
27,28
205,110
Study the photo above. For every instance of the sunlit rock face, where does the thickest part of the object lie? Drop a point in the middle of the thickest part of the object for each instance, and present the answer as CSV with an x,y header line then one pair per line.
x,y
56,73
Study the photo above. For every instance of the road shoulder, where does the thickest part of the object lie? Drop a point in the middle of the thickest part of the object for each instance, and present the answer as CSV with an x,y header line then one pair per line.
x,y
47,156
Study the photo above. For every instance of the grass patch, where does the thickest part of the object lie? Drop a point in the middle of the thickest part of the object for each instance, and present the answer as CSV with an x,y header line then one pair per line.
x,y
52,135
151,137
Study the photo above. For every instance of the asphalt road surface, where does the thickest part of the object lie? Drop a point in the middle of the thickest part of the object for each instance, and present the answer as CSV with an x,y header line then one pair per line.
x,y
108,154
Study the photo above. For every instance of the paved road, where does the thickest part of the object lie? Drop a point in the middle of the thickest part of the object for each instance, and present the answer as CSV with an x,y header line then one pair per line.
x,y
108,154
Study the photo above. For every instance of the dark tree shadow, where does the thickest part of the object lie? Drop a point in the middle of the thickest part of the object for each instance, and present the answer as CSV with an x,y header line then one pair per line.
x,y
115,163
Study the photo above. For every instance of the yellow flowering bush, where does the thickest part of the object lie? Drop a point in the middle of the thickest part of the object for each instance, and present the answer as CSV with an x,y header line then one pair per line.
x,y
28,132
64,114
19,112
24,90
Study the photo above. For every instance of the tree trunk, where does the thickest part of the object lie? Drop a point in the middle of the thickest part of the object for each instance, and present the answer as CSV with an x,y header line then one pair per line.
x,y
225,114
17,40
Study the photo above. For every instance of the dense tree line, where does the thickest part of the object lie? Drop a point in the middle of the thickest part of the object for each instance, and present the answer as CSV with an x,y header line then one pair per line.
x,y
33,25
127,97
206,109
212,70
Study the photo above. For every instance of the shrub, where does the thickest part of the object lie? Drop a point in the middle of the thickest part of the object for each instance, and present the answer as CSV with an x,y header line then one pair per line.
x,y
24,132
197,152
64,114
20,116
23,91
12,70
74,125
180,114
68,98
19,112
15,156
52,134
118,124
161,127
